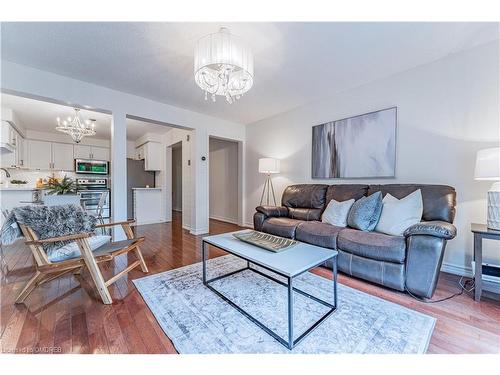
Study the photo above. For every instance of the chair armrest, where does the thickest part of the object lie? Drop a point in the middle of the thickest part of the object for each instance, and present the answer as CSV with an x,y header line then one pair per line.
x,y
273,211
70,237
117,223
440,229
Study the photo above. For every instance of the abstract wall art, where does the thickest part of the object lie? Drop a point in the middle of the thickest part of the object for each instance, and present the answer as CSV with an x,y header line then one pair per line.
x,y
362,146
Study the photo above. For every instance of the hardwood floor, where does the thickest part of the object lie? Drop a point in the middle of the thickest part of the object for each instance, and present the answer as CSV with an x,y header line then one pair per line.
x,y
65,315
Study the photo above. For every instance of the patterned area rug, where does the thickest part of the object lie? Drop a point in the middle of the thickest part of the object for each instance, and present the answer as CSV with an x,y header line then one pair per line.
x,y
198,321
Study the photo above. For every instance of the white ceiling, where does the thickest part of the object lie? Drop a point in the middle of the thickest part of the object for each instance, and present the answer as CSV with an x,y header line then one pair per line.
x,y
41,116
295,63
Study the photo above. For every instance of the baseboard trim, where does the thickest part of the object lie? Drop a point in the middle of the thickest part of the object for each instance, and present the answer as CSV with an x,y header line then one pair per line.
x,y
454,269
224,219
197,232
152,222
247,225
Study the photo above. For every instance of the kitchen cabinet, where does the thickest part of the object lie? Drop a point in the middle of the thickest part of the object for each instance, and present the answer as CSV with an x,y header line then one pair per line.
x,y
8,134
39,154
151,152
21,152
50,155
15,154
82,152
62,156
91,152
100,153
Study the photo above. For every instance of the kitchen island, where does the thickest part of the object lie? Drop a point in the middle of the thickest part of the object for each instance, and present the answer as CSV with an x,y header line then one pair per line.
x,y
148,206
15,196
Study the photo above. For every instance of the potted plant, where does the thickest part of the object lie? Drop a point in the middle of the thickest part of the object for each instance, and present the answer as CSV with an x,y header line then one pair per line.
x,y
61,191
61,187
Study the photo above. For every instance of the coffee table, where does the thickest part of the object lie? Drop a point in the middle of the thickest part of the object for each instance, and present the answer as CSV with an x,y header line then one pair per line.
x,y
289,264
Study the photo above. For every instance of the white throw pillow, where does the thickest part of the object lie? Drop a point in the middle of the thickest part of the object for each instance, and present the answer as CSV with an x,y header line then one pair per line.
x,y
336,212
400,214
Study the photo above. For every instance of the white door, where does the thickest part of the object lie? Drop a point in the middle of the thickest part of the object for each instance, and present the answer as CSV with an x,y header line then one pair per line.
x,y
62,156
39,154
100,153
82,152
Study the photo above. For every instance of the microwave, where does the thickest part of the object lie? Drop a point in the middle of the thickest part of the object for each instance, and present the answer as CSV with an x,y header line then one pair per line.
x,y
84,166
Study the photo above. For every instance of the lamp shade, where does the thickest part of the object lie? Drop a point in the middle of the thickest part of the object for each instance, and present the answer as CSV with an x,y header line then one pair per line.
x,y
269,165
488,164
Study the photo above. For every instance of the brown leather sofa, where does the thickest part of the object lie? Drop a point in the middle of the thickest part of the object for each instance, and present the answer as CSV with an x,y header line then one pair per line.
x,y
410,262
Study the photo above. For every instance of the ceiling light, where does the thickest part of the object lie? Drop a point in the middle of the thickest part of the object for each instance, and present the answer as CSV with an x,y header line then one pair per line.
x,y
223,65
75,127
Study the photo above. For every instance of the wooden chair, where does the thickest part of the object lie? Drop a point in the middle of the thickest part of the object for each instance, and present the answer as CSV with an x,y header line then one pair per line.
x,y
47,270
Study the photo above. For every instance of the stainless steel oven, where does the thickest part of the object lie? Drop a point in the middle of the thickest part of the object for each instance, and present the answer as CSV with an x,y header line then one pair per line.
x,y
84,166
90,191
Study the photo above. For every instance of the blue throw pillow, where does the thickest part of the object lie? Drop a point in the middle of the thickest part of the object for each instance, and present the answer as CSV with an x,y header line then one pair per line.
x,y
365,212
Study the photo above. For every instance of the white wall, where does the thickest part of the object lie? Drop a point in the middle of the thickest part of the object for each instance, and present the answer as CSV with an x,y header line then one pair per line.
x,y
37,83
223,180
177,179
188,175
447,111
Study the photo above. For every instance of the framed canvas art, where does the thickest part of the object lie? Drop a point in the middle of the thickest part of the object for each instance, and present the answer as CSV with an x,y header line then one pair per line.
x,y
362,146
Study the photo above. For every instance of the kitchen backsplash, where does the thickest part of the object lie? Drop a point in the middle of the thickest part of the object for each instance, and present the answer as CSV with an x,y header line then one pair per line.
x,y
32,176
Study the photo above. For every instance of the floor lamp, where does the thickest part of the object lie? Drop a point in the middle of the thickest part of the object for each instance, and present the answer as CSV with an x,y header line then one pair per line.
x,y
268,166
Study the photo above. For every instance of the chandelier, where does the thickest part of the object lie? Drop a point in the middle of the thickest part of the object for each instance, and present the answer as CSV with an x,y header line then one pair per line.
x,y
75,127
223,65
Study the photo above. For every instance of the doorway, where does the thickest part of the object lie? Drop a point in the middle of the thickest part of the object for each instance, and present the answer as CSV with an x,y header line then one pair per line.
x,y
177,178
224,180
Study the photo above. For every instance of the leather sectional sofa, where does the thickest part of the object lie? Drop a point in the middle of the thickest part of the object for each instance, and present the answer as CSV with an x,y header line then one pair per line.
x,y
411,262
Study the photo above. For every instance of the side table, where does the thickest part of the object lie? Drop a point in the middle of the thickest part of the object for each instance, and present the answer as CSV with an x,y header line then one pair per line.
x,y
481,231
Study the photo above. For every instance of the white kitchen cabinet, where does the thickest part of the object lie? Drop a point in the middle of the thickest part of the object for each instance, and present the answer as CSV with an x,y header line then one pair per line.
x,y
100,153
16,156
82,152
62,156
50,155
39,154
8,134
91,152
139,152
21,152
151,153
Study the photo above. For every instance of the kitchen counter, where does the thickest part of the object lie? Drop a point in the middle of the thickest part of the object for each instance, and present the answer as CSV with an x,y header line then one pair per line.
x,y
148,205
20,188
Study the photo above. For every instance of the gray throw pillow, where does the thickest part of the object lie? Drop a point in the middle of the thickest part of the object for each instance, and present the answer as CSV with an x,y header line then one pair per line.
x,y
365,212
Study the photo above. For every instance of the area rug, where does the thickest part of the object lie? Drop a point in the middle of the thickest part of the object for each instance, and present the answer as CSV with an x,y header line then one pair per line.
x,y
198,321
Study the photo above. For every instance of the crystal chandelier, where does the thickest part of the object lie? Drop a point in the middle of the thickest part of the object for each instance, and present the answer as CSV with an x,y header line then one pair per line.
x,y
75,127
223,65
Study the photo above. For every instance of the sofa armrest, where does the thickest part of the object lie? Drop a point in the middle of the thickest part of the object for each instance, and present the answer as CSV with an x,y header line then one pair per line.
x,y
440,229
272,211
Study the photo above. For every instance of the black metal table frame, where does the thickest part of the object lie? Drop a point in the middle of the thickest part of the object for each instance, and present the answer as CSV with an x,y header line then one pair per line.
x,y
291,343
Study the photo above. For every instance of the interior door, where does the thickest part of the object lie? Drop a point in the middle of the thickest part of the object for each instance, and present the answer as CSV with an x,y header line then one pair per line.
x,y
40,154
62,156
100,153
82,152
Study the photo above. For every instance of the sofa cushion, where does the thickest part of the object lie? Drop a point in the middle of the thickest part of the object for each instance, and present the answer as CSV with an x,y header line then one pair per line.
x,y
336,212
439,200
317,233
400,214
343,192
373,245
281,226
305,201
365,212
72,250
305,213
